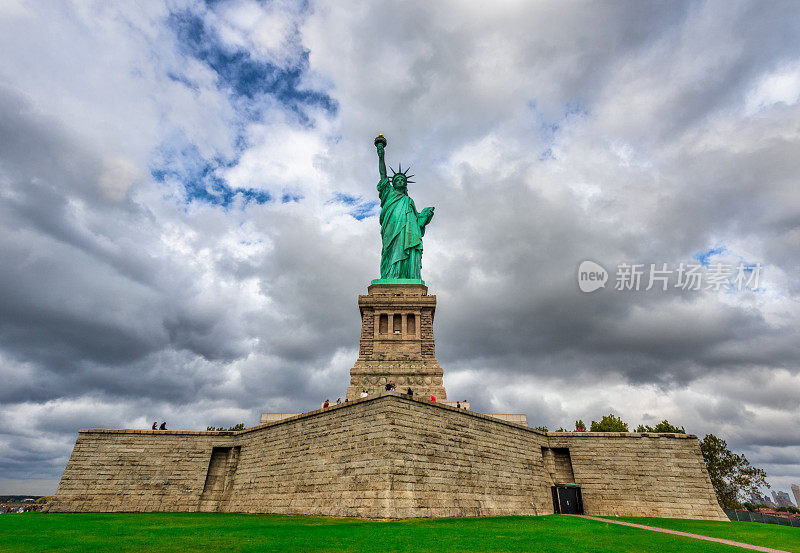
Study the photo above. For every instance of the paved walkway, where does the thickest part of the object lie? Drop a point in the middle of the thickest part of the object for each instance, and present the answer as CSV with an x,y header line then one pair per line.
x,y
686,534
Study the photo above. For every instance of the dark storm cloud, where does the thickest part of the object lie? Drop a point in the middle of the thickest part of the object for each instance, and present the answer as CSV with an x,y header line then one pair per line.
x,y
45,313
649,336
86,291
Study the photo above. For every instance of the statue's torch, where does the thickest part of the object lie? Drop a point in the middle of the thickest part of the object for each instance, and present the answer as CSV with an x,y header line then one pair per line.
x,y
380,144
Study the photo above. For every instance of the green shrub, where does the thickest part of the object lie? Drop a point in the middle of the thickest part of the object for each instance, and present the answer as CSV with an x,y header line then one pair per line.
x,y
609,423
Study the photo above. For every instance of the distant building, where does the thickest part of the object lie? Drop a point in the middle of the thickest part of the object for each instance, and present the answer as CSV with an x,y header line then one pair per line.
x,y
785,500
782,499
796,492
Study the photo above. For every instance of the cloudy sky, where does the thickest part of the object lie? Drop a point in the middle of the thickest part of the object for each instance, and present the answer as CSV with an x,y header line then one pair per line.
x,y
188,211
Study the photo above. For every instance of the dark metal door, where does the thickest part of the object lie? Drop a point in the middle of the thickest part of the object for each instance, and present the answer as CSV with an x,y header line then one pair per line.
x,y
569,500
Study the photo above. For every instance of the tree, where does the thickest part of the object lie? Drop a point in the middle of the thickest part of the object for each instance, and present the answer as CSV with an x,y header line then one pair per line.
x,y
731,475
579,426
609,423
239,426
663,426
540,428
792,510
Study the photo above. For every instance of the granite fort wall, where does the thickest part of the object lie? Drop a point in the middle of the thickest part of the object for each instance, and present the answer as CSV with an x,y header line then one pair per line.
x,y
331,463
384,457
447,462
136,470
631,474
454,463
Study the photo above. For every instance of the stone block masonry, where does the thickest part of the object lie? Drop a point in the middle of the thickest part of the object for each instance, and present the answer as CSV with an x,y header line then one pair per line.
x,y
626,474
137,470
397,342
386,456
332,462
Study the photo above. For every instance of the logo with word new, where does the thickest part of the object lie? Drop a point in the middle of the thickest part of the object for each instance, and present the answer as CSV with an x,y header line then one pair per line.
x,y
591,276
717,277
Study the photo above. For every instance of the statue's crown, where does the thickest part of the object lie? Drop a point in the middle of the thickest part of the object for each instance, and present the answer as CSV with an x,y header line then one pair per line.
x,y
401,172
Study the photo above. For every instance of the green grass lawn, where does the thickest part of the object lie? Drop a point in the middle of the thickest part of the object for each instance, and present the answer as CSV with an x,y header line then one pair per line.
x,y
756,533
170,532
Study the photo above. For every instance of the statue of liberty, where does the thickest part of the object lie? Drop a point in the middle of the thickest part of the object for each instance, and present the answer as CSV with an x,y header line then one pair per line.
x,y
402,227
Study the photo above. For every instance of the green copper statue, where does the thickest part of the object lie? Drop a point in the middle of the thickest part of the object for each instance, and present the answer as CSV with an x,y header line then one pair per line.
x,y
402,227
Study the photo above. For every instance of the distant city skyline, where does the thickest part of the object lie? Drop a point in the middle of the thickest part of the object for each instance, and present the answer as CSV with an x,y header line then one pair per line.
x,y
782,498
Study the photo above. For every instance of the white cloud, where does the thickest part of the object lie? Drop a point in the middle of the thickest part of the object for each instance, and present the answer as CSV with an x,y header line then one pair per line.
x,y
282,157
782,86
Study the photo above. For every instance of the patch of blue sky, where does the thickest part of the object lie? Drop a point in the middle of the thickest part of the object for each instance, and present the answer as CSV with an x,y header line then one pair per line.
x,y
247,79
184,80
201,180
289,197
704,257
360,208
751,271
253,87
346,199
548,130
364,210
547,154
575,109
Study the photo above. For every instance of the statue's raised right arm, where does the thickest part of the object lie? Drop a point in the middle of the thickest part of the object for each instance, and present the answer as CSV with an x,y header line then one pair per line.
x,y
380,144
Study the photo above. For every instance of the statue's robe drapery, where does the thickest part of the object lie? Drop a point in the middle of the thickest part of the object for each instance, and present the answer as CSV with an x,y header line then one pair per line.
x,y
402,229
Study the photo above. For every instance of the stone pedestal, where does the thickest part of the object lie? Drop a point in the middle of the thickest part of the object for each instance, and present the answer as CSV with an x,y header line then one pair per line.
x,y
397,342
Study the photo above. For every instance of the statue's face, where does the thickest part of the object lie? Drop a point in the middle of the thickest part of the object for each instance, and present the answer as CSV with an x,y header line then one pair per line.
x,y
399,181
